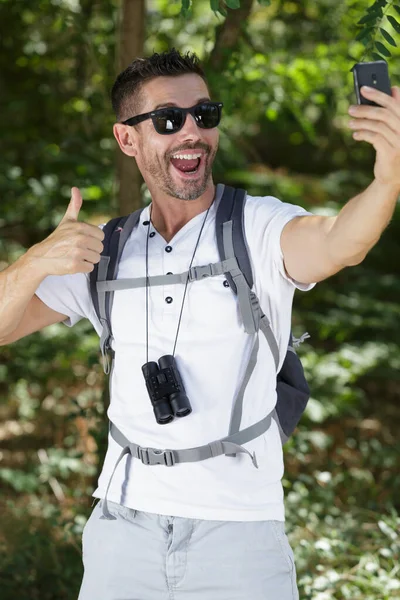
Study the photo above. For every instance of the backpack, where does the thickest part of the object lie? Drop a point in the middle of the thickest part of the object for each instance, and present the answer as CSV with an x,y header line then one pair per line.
x,y
292,389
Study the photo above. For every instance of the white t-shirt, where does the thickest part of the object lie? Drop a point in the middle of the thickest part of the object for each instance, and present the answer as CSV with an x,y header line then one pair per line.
x,y
212,354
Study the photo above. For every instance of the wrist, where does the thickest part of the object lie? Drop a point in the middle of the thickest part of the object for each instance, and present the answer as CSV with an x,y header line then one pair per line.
x,y
33,262
387,188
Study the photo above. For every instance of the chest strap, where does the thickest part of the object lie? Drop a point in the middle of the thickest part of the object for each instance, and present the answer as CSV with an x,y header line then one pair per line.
x,y
194,274
229,446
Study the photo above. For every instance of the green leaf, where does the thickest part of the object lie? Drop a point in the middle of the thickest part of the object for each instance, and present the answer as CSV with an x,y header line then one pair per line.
x,y
265,2
387,37
382,49
185,10
364,33
367,19
214,5
397,9
395,24
377,56
223,11
185,5
233,3
376,11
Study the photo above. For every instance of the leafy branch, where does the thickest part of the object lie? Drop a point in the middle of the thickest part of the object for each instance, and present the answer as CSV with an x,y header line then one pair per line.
x,y
371,23
220,6
372,26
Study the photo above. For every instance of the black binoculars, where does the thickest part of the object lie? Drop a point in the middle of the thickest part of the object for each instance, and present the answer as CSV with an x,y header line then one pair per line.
x,y
165,387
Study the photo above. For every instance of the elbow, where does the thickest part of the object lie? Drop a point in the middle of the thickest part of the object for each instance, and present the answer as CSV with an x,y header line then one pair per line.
x,y
356,260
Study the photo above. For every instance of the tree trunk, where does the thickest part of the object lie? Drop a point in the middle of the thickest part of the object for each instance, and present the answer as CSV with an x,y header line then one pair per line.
x,y
227,36
131,41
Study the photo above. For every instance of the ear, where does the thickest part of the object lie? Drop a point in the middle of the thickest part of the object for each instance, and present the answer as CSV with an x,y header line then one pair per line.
x,y
126,138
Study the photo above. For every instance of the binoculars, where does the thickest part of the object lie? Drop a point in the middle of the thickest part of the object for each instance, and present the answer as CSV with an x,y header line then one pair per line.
x,y
166,391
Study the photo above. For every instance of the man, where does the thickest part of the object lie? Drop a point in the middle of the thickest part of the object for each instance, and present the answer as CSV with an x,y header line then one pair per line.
x,y
213,529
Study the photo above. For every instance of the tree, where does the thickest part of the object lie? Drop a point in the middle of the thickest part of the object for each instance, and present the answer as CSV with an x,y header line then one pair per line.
x,y
131,39
286,85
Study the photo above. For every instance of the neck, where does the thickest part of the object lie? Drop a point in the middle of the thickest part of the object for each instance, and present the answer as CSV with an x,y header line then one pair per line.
x,y
169,215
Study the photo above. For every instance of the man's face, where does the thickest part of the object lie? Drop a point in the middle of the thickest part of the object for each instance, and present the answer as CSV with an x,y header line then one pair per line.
x,y
157,155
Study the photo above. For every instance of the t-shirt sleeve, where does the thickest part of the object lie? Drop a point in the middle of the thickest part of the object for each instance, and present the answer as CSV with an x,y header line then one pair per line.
x,y
68,295
266,219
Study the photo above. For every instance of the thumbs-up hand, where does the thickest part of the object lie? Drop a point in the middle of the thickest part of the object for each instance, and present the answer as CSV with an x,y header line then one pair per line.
x,y
74,205
74,247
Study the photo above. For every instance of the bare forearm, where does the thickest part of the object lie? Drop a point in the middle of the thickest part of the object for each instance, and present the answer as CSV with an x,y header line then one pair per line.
x,y
360,223
73,247
18,284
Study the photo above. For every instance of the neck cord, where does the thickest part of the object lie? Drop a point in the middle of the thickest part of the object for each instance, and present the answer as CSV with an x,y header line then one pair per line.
x,y
186,284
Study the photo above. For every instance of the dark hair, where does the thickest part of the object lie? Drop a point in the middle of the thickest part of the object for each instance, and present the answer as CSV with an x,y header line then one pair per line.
x,y
126,91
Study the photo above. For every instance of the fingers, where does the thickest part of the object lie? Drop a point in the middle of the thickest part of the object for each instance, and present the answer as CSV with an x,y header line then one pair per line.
x,y
364,126
74,206
93,243
381,98
378,121
82,259
90,256
376,140
378,116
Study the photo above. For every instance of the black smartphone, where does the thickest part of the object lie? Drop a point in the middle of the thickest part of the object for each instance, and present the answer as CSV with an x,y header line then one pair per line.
x,y
374,74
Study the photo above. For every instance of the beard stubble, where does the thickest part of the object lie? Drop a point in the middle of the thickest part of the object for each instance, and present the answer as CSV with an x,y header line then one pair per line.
x,y
188,190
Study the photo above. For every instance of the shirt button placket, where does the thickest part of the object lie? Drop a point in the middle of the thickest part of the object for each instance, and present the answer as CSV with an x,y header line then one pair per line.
x,y
170,305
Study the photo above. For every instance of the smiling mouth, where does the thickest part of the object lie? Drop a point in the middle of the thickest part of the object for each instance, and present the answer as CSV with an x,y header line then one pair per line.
x,y
187,163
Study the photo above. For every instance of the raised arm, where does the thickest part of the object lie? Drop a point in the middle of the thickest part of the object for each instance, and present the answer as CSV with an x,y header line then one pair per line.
x,y
316,247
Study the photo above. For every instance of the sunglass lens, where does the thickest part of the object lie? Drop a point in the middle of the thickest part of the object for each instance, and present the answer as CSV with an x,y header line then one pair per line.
x,y
208,115
168,121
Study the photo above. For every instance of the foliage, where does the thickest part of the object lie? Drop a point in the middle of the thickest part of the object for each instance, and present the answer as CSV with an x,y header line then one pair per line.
x,y
286,87
372,22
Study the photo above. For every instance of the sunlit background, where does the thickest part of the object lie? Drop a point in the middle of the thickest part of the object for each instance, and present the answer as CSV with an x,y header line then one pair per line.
x,y
286,84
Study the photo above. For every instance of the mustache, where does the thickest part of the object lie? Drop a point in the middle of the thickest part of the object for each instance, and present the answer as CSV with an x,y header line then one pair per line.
x,y
198,146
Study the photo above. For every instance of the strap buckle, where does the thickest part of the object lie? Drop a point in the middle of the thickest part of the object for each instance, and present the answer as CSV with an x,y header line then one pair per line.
x,y
151,456
200,272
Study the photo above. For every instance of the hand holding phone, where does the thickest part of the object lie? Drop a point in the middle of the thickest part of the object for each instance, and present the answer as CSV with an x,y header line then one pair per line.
x,y
373,74
380,126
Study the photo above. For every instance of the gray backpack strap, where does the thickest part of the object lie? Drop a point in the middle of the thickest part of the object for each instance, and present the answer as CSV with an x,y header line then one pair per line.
x,y
265,327
194,274
106,331
114,242
249,306
232,243
237,410
230,446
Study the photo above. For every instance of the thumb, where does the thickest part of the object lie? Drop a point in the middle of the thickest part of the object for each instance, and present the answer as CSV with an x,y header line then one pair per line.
x,y
74,205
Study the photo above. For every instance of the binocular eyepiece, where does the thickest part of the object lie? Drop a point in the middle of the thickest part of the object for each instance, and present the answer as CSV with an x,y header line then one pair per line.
x,y
166,391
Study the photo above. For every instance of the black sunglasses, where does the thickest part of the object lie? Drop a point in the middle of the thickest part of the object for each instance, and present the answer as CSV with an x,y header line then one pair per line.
x,y
171,119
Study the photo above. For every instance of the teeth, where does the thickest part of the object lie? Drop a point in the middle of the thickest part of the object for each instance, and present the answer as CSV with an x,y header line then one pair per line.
x,y
187,156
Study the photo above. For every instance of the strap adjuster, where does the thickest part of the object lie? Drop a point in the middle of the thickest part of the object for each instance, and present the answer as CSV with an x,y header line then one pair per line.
x,y
203,271
200,272
151,456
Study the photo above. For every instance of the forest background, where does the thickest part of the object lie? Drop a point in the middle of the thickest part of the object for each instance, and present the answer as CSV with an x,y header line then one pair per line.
x,y
283,70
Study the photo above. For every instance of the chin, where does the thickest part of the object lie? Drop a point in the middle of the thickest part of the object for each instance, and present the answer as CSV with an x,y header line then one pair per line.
x,y
190,190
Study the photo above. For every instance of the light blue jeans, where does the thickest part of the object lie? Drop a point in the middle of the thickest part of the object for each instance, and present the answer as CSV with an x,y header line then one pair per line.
x,y
145,556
